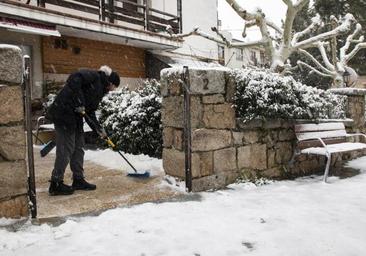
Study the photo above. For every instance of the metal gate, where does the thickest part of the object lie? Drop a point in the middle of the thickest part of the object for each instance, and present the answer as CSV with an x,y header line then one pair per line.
x,y
27,84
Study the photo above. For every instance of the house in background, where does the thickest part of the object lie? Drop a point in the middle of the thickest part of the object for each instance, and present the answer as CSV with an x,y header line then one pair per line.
x,y
241,57
62,36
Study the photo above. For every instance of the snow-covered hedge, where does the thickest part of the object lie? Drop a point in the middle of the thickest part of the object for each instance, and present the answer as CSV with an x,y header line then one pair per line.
x,y
133,119
262,94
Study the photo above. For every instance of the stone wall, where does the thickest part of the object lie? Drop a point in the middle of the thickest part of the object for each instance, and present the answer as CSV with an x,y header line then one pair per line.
x,y
223,147
13,175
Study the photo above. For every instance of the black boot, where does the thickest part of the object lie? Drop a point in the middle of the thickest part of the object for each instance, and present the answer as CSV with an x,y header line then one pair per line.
x,y
59,188
82,184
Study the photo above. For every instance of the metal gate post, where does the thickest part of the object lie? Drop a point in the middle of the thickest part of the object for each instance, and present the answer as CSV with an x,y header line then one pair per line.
x,y
187,128
28,126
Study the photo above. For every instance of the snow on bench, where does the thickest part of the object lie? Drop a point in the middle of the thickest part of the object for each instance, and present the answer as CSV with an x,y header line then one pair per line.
x,y
324,139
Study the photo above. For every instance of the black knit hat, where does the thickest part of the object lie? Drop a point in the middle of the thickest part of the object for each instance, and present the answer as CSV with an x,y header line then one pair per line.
x,y
114,78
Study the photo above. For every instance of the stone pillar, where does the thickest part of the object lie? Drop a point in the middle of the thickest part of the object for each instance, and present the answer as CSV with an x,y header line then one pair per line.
x,y
13,174
356,111
355,106
214,155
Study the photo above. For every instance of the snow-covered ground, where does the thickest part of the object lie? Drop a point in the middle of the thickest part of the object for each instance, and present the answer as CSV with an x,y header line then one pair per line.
x,y
301,217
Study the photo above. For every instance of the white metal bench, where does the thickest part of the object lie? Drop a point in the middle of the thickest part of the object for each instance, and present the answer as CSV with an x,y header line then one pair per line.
x,y
324,139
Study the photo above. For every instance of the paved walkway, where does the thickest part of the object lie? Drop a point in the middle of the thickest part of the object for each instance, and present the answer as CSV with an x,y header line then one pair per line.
x,y
114,189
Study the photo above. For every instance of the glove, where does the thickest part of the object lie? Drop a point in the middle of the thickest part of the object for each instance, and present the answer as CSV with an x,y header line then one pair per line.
x,y
80,110
102,133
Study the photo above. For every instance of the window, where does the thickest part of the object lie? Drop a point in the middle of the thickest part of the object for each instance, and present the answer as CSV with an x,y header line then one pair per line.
x,y
130,6
262,58
239,54
221,53
253,58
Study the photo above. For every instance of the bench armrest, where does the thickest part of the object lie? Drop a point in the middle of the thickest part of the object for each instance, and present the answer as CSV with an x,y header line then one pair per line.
x,y
356,135
322,142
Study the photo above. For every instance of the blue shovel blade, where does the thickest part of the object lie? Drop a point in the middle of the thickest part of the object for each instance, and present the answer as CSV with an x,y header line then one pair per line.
x,y
145,174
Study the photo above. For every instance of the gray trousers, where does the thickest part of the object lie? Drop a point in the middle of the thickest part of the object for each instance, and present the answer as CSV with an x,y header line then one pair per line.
x,y
69,149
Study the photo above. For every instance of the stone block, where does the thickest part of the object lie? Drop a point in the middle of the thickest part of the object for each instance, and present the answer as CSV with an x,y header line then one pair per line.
x,y
230,87
283,152
178,139
286,135
238,138
196,112
11,109
213,99
210,139
13,179
271,158
202,164
11,64
172,111
171,82
14,208
213,182
225,160
253,157
250,137
272,173
207,81
12,143
219,116
168,137
173,162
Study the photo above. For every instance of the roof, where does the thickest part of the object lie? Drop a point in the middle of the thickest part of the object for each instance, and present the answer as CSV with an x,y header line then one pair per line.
x,y
180,61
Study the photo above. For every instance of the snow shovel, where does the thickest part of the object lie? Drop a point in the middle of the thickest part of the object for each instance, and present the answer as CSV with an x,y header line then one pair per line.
x,y
136,174
47,147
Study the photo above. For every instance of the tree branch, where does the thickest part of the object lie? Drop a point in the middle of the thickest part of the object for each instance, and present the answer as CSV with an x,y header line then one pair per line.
x,y
344,49
354,51
241,11
315,61
301,63
316,22
292,10
327,63
344,27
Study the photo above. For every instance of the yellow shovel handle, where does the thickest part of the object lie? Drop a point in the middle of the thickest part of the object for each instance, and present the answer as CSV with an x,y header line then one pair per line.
x,y
110,143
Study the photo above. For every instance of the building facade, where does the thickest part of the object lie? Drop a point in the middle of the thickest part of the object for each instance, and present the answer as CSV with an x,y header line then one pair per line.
x,y
63,36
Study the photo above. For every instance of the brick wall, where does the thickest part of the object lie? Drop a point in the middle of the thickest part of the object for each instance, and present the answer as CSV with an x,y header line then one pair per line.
x,y
59,56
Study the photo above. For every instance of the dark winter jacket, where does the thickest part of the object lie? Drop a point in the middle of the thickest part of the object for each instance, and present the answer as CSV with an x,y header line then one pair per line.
x,y
83,88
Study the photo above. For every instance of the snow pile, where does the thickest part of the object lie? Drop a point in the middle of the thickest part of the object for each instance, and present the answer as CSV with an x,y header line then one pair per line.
x,y
113,160
262,94
302,217
133,119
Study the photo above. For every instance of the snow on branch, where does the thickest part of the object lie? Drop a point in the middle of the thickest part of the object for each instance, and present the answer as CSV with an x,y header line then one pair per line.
x,y
301,63
197,32
344,27
354,51
350,39
241,11
315,61
316,22
323,53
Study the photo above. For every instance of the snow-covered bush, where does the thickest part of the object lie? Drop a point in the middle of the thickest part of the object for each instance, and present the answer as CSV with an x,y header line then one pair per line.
x,y
262,94
133,119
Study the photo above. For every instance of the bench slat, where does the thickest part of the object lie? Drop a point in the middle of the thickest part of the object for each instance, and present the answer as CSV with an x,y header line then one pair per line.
x,y
322,134
316,143
319,127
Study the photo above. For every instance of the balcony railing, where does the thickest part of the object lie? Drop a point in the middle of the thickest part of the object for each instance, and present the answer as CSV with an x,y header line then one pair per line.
x,y
116,11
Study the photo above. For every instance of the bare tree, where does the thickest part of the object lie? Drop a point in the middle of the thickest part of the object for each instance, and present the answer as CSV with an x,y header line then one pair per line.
x,y
287,41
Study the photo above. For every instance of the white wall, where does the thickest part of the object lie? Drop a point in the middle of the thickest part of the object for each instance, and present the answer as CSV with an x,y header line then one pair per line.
x,y
196,13
231,60
30,45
